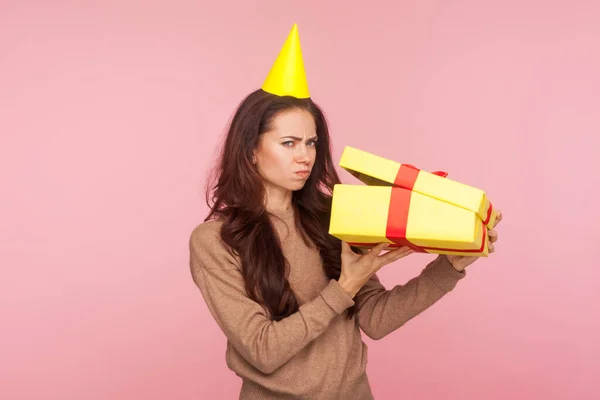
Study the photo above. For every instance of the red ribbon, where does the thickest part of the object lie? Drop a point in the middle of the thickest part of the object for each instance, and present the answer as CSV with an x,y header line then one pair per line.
x,y
407,176
489,215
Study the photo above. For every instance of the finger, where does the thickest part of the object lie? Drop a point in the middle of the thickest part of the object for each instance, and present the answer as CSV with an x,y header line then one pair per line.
x,y
493,235
498,218
377,249
395,254
346,248
491,248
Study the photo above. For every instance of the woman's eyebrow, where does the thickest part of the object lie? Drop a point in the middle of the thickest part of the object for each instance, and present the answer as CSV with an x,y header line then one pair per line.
x,y
298,138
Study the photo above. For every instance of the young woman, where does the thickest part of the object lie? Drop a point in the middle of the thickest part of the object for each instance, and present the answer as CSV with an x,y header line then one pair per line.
x,y
291,299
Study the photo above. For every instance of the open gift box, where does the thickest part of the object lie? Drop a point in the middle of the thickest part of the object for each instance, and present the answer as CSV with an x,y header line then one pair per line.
x,y
363,216
378,171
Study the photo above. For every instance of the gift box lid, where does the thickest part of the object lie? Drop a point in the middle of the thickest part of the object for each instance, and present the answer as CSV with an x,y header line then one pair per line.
x,y
375,170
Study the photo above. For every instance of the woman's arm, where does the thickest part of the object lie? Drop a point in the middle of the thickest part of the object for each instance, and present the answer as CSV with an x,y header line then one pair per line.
x,y
381,311
264,343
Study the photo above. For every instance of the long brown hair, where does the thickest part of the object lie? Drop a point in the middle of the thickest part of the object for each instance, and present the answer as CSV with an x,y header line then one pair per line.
x,y
235,194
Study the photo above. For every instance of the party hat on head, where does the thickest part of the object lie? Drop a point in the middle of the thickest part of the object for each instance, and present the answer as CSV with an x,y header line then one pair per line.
x,y
287,76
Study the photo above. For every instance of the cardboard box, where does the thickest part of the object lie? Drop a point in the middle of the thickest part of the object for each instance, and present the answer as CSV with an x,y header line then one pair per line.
x,y
366,215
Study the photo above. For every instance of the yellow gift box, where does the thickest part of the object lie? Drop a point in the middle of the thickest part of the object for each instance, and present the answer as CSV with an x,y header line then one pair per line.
x,y
366,215
375,170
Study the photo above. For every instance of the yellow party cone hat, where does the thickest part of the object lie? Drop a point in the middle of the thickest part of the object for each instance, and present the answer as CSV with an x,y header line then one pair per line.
x,y
287,76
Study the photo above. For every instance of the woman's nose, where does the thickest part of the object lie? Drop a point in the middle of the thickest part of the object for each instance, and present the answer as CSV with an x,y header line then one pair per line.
x,y
302,154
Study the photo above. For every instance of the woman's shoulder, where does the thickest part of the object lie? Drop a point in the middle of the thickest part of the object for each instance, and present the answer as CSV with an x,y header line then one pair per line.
x,y
207,245
207,233
211,227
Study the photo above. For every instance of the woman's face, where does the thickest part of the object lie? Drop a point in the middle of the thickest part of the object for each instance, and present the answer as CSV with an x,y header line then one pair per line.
x,y
286,153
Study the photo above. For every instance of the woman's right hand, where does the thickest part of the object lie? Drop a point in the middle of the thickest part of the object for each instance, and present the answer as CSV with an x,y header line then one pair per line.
x,y
357,269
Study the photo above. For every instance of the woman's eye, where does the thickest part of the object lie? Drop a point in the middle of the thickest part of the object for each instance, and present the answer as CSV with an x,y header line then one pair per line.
x,y
312,143
288,144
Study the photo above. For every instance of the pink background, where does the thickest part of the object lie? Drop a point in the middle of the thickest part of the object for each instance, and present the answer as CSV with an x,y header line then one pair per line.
x,y
110,113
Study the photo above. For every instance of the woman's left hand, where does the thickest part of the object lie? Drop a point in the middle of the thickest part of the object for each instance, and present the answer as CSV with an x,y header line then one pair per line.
x,y
461,262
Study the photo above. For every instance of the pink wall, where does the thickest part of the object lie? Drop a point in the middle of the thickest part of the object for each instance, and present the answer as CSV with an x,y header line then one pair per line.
x,y
109,117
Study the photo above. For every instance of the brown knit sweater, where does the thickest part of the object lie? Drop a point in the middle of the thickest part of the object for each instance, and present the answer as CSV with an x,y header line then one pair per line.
x,y
316,353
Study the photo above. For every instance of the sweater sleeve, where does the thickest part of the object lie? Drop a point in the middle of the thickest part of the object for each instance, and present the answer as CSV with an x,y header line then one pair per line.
x,y
381,311
264,343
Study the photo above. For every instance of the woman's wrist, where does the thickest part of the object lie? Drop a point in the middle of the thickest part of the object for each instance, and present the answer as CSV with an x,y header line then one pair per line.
x,y
348,286
453,260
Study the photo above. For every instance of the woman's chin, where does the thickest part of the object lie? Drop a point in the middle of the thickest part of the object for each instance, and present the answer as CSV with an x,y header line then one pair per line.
x,y
297,186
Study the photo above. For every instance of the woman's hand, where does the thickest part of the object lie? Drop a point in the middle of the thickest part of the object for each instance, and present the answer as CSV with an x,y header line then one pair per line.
x,y
357,268
461,262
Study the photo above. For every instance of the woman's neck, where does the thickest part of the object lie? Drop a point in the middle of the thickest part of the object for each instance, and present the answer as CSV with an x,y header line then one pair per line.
x,y
278,201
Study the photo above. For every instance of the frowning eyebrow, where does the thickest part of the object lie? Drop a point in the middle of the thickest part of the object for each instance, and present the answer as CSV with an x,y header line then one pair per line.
x,y
298,138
